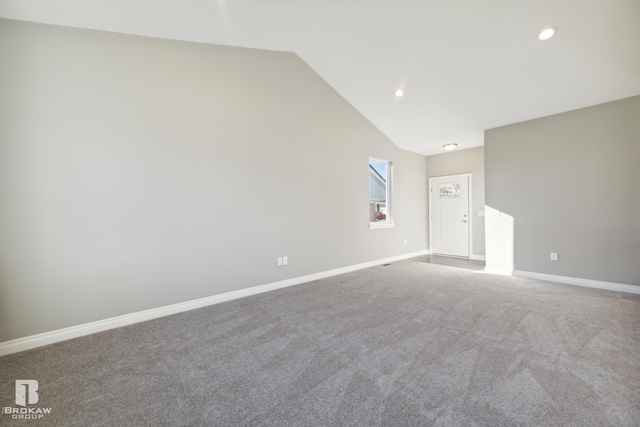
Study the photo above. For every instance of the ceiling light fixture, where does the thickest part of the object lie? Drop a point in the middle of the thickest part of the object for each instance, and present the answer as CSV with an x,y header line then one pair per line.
x,y
547,33
450,147
399,93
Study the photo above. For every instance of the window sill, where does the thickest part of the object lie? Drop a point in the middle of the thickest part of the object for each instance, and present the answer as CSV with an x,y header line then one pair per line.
x,y
375,225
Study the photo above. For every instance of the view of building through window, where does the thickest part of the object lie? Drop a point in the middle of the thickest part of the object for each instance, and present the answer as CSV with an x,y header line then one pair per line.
x,y
379,189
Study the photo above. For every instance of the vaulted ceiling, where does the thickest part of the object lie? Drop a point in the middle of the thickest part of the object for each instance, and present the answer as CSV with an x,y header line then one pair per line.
x,y
464,65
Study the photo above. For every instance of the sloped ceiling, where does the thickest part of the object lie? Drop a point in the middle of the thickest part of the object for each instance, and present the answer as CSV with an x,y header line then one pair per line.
x,y
464,65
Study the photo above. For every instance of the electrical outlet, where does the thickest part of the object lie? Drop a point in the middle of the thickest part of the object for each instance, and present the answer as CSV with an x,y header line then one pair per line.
x,y
285,260
405,241
554,256
279,260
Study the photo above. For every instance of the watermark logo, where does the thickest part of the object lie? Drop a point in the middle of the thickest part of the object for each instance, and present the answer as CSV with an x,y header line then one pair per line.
x,y
26,395
26,392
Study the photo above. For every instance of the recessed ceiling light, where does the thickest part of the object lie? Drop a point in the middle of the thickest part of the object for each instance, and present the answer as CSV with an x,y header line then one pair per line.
x,y
547,33
399,93
450,147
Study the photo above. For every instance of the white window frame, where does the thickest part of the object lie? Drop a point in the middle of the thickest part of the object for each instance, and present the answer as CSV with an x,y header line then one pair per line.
x,y
388,223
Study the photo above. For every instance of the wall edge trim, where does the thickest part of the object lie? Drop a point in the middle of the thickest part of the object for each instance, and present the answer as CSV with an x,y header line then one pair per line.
x,y
609,286
52,337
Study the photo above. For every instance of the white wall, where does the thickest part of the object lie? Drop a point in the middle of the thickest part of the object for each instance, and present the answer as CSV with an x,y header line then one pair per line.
x,y
136,173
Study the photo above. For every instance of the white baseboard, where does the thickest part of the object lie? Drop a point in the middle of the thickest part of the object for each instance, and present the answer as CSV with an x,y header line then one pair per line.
x,y
478,257
609,286
496,271
46,338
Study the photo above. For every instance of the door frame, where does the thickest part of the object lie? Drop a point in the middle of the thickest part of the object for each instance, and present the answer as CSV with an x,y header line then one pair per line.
x,y
469,201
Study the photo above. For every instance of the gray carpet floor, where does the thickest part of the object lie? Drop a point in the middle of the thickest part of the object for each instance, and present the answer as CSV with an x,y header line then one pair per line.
x,y
409,344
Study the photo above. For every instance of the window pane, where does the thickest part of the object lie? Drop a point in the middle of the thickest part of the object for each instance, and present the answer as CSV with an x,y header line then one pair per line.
x,y
378,190
449,191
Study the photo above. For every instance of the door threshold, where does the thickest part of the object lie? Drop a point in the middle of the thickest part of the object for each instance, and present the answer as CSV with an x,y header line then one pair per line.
x,y
452,256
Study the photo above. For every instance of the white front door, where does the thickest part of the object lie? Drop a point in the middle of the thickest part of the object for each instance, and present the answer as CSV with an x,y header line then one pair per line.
x,y
449,215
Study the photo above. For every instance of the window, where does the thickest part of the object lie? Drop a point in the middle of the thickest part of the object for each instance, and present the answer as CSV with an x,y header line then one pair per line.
x,y
449,191
379,193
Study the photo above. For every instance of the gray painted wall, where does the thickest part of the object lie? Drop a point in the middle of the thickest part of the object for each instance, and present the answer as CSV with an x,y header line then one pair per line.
x,y
571,182
136,173
465,161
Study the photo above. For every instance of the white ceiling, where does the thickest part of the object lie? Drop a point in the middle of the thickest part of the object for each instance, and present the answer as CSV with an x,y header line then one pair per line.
x,y
465,65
